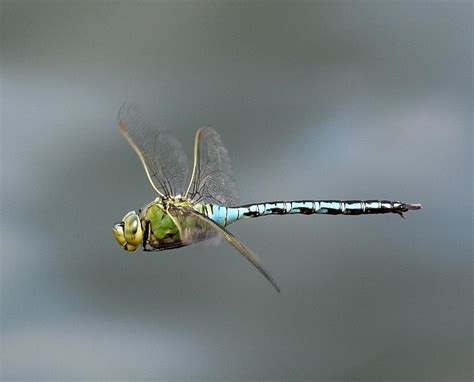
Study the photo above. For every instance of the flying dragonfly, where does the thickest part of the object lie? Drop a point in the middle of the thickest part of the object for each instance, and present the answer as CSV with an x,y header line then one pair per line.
x,y
199,207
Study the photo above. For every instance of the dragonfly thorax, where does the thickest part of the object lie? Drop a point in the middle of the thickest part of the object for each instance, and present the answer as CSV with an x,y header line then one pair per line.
x,y
175,200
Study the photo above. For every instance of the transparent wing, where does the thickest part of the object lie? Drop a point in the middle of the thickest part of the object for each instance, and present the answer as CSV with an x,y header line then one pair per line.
x,y
191,229
194,226
211,180
162,156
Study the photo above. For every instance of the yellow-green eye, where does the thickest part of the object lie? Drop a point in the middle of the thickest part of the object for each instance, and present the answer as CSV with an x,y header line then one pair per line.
x,y
132,229
117,231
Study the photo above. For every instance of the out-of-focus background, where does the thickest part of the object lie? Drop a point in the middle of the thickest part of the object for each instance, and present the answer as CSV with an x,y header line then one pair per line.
x,y
313,100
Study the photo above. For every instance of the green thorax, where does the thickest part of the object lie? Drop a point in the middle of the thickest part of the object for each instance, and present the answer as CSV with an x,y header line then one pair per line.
x,y
158,224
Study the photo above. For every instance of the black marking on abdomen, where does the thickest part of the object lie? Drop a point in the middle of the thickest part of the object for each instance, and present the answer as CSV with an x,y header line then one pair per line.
x,y
278,211
305,210
331,211
252,214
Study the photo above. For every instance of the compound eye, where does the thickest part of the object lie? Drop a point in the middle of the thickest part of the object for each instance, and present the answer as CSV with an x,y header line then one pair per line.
x,y
117,231
132,225
132,229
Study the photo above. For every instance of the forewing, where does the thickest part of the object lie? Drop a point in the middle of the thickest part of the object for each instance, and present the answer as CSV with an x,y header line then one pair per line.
x,y
195,226
212,180
161,154
191,229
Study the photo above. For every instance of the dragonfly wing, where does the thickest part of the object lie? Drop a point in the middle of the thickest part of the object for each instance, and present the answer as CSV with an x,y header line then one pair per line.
x,y
195,226
162,156
211,179
191,229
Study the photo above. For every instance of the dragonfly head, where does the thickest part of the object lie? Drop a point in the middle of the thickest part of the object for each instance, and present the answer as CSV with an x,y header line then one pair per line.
x,y
129,232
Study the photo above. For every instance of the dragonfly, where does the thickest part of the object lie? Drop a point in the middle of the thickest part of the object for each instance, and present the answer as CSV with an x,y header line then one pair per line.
x,y
199,207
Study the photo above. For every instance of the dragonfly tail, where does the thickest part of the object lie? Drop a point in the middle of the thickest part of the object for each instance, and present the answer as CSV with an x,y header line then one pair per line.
x,y
413,206
227,215
405,207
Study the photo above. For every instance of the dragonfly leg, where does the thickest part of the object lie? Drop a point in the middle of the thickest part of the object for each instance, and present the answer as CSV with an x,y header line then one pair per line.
x,y
146,235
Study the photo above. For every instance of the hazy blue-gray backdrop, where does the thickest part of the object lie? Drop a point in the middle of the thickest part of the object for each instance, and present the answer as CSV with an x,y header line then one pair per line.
x,y
314,100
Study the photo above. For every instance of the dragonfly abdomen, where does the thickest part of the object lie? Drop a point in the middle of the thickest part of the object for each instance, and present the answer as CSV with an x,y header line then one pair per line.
x,y
227,215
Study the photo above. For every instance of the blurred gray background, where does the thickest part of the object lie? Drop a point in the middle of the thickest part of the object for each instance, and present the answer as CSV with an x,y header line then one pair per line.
x,y
313,100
